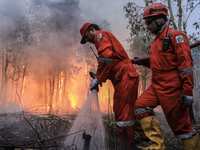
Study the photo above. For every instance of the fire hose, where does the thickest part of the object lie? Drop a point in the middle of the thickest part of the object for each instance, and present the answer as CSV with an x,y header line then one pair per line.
x,y
142,59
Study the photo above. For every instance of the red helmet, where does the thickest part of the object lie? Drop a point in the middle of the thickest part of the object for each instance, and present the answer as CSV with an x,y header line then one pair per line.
x,y
82,31
154,10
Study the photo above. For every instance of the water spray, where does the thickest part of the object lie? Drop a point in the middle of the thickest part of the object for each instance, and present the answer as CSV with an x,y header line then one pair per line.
x,y
90,120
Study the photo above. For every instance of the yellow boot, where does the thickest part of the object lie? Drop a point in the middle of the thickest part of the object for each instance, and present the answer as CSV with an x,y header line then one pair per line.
x,y
153,132
141,136
192,143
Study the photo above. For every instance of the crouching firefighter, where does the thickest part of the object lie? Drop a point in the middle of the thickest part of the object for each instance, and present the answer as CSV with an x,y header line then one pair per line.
x,y
171,84
114,64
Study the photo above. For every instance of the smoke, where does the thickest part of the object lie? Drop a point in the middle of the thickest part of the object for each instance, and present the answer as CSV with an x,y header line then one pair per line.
x,y
42,60
40,48
196,72
41,54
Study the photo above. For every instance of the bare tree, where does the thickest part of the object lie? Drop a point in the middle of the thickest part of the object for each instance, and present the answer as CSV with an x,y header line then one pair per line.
x,y
179,12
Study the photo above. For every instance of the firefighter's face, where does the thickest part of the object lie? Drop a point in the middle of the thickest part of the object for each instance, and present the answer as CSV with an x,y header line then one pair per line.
x,y
90,34
151,24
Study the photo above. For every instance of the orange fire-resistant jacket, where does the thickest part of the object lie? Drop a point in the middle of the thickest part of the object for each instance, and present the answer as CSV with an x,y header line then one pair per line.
x,y
124,78
172,76
120,71
177,57
109,47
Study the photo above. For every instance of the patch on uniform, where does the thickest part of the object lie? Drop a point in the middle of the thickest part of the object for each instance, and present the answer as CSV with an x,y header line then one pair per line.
x,y
99,36
179,39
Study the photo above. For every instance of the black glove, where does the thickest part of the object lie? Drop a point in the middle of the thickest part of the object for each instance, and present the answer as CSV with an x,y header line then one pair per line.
x,y
186,100
94,84
95,88
137,61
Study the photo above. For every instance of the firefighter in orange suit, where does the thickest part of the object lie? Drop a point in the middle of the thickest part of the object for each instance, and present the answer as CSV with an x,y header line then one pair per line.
x,y
114,64
171,84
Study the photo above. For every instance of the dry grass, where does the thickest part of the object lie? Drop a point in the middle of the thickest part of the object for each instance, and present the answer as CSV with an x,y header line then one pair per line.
x,y
32,131
47,132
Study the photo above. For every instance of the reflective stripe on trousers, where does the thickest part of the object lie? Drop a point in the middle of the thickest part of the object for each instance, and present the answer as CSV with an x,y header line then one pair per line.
x,y
187,135
125,123
144,110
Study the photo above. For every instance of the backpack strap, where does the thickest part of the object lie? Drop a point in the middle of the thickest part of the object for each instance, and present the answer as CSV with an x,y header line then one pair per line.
x,y
170,33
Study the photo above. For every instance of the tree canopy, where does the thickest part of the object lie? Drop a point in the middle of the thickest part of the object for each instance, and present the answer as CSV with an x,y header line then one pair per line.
x,y
179,13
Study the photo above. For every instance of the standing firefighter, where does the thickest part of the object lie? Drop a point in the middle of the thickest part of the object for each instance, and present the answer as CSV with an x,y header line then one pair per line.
x,y
114,64
171,84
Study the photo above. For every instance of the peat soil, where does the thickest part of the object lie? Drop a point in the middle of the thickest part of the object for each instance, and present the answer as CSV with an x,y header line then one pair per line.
x,y
27,131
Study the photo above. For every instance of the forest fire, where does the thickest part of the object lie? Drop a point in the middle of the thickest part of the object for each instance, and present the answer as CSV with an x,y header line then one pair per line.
x,y
44,79
70,94
57,93
44,67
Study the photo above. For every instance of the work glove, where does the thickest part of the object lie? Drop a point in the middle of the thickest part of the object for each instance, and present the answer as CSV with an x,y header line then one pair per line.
x,y
96,88
94,84
137,61
186,100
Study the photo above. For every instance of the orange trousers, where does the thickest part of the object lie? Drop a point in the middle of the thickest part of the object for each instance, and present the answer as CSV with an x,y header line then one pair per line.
x,y
176,115
124,98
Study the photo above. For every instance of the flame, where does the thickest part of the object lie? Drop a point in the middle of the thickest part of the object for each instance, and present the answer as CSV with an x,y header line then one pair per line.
x,y
23,85
106,96
59,92
73,99
72,94
48,107
86,68
60,86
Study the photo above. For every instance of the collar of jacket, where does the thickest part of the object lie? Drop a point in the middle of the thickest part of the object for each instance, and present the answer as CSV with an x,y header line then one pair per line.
x,y
163,34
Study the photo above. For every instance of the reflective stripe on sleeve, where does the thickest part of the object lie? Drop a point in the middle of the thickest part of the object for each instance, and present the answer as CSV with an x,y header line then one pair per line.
x,y
105,60
125,123
144,110
187,135
186,71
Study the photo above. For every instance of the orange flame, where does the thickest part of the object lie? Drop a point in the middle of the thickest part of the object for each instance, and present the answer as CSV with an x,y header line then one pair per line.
x,y
23,86
61,93
60,87
72,94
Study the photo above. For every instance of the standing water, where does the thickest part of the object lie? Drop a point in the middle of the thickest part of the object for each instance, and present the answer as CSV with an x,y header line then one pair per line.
x,y
87,132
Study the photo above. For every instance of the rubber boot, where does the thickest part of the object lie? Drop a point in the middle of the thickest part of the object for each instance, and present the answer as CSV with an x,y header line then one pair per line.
x,y
153,132
141,136
192,143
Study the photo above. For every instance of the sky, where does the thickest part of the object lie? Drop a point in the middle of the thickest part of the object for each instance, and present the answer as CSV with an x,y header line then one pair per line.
x,y
113,12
